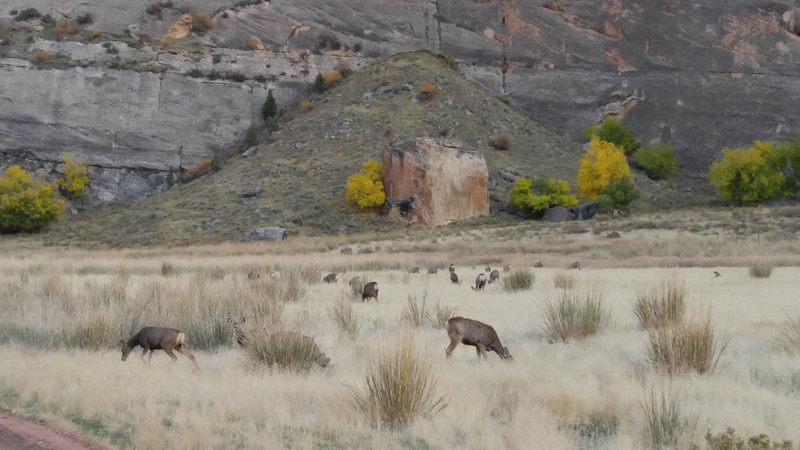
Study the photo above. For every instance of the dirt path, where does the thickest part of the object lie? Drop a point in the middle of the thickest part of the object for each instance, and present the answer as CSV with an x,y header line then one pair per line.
x,y
20,434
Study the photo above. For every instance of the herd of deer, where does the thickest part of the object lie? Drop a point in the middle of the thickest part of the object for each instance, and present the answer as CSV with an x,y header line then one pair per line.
x,y
460,330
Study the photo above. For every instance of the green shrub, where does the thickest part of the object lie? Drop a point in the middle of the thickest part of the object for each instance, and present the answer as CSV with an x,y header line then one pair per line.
x,y
366,187
288,350
95,334
168,269
728,440
400,386
666,425
518,280
576,316
661,305
270,108
746,175
791,166
251,137
25,205
618,194
657,160
685,347
320,84
535,198
761,268
612,131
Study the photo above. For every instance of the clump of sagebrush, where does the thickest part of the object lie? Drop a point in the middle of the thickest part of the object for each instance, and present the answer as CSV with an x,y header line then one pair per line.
x,y
345,317
661,305
288,350
518,280
788,339
685,347
666,425
97,333
761,268
576,315
414,313
564,280
400,386
728,440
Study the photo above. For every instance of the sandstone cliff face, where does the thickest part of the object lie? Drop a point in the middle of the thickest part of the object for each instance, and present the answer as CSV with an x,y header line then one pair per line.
x,y
447,182
702,75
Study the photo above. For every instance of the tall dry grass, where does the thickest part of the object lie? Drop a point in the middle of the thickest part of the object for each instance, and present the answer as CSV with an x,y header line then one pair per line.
x,y
761,268
667,425
576,315
662,304
788,339
686,346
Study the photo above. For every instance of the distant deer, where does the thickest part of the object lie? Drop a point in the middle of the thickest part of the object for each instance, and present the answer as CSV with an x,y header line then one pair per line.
x,y
539,264
477,334
433,270
454,277
487,269
414,269
330,278
480,282
717,274
244,342
157,338
494,276
452,268
370,290
575,265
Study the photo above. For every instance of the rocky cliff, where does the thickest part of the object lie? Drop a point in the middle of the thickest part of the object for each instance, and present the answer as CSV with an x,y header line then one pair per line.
x,y
702,75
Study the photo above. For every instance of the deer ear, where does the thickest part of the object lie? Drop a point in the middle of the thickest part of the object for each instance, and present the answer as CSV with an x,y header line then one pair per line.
x,y
243,319
122,341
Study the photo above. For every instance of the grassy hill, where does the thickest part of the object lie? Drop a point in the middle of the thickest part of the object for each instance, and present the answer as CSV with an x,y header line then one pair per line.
x,y
297,178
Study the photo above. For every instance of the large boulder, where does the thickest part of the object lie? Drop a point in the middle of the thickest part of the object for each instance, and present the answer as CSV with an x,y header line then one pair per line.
x,y
267,234
436,182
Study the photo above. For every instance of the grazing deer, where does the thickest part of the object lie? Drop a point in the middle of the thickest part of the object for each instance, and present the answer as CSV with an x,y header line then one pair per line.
x,y
477,334
253,274
157,338
480,282
433,270
330,278
575,265
494,276
717,274
414,269
454,277
370,290
539,264
244,342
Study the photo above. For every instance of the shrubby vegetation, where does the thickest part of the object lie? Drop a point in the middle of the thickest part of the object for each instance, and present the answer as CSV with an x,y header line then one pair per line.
x,y
76,177
366,187
657,160
601,164
618,194
535,198
751,174
612,131
27,205
270,108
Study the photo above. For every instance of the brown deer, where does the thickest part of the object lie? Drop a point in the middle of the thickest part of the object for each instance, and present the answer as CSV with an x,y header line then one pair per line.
x,y
480,282
370,290
433,270
539,264
575,265
244,342
477,334
414,269
157,338
454,277
494,276
330,278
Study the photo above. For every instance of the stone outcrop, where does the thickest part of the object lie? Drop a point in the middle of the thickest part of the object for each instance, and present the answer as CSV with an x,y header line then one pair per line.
x,y
445,181
180,29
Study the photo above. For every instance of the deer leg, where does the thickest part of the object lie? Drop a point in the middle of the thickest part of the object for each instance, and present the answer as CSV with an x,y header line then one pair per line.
x,y
171,355
188,355
142,355
482,351
451,347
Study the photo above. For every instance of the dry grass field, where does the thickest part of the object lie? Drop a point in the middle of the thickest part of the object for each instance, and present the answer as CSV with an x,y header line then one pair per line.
x,y
65,309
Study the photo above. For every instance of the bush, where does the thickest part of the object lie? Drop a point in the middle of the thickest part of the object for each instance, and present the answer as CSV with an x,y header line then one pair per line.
x,y
788,339
426,91
306,105
414,314
612,131
400,386
202,22
319,83
332,78
366,187
449,59
85,19
564,280
26,205
602,163
518,280
443,314
747,175
662,305
270,108
499,141
657,160
618,194
288,350
76,177
251,136
28,14
576,316
666,424
64,26
198,170
684,347
761,268
728,440
791,166
343,67
43,56
535,198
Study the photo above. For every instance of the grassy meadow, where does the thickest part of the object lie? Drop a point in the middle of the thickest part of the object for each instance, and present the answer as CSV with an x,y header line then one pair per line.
x,y
65,309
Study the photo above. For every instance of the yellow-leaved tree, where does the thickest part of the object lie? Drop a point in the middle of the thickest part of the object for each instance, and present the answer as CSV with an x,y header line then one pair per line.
x,y
366,187
76,177
27,205
601,164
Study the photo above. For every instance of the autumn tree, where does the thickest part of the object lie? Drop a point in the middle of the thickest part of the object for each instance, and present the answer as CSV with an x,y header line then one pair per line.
x,y
365,188
601,164
27,205
612,131
536,197
746,175
76,177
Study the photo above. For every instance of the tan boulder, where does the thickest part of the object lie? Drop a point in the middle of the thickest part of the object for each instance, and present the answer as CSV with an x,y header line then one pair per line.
x,y
180,29
445,181
255,44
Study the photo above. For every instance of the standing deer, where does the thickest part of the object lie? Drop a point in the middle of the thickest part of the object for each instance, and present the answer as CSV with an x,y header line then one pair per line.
x,y
157,338
370,290
414,269
539,264
480,282
575,265
244,342
330,278
477,334
494,276
454,277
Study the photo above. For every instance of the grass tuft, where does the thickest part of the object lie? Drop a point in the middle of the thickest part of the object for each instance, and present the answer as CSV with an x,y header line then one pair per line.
x,y
519,280
287,350
685,347
442,315
788,339
564,280
345,317
400,387
576,316
666,423
661,305
414,314
761,268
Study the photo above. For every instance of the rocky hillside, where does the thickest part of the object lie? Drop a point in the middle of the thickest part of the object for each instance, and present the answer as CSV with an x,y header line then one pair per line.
x,y
702,75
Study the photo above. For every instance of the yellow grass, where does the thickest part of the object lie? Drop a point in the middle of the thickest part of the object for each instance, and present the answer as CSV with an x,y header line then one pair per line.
x,y
59,304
